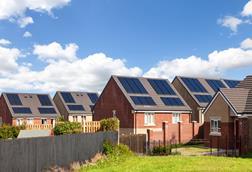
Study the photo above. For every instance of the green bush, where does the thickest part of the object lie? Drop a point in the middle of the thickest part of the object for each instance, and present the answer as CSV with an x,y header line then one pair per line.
x,y
116,150
161,150
67,128
7,131
110,124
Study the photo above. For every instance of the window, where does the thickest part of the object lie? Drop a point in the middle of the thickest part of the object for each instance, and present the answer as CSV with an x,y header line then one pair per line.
x,y
149,119
215,126
30,121
19,121
175,118
83,119
43,121
75,118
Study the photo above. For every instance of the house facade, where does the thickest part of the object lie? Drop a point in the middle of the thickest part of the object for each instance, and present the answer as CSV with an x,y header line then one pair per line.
x,y
141,104
228,118
75,106
198,92
33,110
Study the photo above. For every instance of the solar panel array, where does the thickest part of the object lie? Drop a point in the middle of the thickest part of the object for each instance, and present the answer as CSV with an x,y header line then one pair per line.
x,y
68,98
21,110
143,100
161,87
44,100
132,85
44,110
93,97
172,101
203,98
215,84
14,99
76,107
231,83
194,85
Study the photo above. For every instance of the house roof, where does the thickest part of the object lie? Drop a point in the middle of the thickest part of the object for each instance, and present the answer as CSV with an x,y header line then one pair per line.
x,y
239,98
246,83
151,94
202,90
30,105
78,102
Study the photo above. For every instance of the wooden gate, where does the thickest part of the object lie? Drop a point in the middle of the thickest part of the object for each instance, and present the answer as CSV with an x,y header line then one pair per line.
x,y
136,142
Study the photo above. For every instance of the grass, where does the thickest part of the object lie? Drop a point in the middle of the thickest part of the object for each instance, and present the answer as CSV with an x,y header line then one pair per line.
x,y
172,163
181,162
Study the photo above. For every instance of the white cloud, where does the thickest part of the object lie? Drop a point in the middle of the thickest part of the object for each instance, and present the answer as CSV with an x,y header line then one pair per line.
x,y
247,9
4,42
24,21
15,10
27,34
54,51
217,63
230,22
246,44
8,59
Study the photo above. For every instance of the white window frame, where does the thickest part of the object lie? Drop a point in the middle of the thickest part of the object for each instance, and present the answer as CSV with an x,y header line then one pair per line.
x,y
75,118
83,118
149,118
44,120
29,121
215,126
175,118
19,121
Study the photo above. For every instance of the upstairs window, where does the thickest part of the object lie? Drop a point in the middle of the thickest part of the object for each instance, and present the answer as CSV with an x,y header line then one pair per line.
x,y
149,119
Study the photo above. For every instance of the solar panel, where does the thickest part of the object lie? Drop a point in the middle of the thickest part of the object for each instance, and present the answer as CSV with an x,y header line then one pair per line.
x,y
161,86
194,85
44,100
14,99
172,101
231,83
22,110
93,97
203,98
68,98
47,110
132,85
142,100
215,84
76,107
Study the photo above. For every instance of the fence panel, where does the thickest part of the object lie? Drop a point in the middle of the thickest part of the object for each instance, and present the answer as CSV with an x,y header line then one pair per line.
x,y
36,154
136,142
91,126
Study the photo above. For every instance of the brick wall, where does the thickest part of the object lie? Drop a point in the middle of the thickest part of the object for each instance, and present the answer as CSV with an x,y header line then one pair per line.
x,y
5,112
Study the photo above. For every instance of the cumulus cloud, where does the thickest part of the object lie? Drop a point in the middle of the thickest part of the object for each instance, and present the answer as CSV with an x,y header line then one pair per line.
x,y
230,22
247,9
54,52
15,10
246,44
215,65
4,42
24,21
27,34
89,74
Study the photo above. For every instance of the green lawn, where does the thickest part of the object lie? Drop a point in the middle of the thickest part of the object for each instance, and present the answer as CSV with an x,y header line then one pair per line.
x,y
173,163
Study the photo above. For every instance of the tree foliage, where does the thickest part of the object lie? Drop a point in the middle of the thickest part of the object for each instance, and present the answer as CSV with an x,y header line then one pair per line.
x,y
7,131
110,124
67,128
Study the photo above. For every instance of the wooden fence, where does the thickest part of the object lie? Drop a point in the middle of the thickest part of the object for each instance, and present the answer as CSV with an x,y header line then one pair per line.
x,y
38,126
91,126
136,142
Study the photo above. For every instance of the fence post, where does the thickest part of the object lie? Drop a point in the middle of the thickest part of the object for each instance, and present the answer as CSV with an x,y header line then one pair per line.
x,y
193,129
179,132
148,140
164,124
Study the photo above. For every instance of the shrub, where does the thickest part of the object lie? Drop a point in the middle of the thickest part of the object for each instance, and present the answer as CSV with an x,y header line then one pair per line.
x,y
116,150
110,124
161,150
67,128
7,131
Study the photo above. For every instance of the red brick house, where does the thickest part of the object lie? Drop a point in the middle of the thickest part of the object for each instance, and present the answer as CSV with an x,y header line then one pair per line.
x,y
75,106
34,110
198,92
143,103
228,117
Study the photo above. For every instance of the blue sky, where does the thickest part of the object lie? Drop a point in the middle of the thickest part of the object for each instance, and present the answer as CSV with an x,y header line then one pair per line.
x,y
145,37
